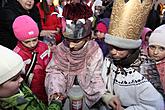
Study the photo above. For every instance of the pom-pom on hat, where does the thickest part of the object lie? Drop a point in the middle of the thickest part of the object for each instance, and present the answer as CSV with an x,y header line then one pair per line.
x,y
24,27
158,36
11,64
78,21
127,21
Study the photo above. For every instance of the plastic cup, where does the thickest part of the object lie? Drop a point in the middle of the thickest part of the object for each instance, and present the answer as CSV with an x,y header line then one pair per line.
x,y
76,98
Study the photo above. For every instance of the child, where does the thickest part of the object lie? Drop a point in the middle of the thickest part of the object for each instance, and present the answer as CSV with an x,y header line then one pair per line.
x,y
14,94
156,51
122,71
50,21
35,54
101,30
77,60
145,36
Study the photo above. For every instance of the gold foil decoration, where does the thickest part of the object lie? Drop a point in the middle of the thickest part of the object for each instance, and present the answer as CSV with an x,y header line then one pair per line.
x,y
128,19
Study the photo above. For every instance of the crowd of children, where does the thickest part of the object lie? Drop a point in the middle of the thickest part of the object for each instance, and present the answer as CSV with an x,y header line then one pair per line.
x,y
106,50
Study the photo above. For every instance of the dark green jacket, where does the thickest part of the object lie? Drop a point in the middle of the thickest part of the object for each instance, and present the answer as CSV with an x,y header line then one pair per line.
x,y
25,100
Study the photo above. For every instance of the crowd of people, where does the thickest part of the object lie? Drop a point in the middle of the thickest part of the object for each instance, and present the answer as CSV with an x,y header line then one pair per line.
x,y
108,48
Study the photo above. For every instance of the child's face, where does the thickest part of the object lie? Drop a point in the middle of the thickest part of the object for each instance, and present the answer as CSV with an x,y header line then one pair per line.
x,y
100,35
76,45
118,53
156,52
30,43
64,2
98,10
10,87
49,2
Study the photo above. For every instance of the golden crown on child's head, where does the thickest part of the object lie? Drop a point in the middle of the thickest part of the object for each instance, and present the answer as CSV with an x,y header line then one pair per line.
x,y
127,22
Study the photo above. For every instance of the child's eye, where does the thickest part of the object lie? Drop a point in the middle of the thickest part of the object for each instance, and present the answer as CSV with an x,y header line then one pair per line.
x,y
26,42
34,40
152,47
161,48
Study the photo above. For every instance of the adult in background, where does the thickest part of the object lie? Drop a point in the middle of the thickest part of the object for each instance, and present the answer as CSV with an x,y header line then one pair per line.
x,y
153,20
107,4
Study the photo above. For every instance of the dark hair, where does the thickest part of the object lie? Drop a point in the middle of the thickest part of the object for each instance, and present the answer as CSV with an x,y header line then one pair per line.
x,y
44,6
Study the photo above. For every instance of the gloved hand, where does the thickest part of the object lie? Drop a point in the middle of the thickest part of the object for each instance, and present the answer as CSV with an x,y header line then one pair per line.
x,y
112,101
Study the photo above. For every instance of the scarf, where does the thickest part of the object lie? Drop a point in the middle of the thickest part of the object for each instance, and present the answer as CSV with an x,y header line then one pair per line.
x,y
74,61
126,62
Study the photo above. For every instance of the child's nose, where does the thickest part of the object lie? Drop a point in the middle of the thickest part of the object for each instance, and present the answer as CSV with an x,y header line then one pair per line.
x,y
32,44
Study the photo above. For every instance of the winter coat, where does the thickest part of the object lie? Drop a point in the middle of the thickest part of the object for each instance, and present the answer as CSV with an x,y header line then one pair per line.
x,y
132,88
26,100
103,46
52,22
85,63
161,68
7,17
147,67
43,57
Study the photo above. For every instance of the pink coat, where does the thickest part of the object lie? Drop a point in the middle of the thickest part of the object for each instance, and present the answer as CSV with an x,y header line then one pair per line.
x,y
161,68
86,64
43,57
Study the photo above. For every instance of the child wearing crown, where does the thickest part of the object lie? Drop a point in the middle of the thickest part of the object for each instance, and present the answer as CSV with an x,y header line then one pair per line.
x,y
77,60
131,78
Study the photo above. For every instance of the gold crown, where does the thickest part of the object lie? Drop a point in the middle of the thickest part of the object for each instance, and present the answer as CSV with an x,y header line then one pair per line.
x,y
127,22
128,19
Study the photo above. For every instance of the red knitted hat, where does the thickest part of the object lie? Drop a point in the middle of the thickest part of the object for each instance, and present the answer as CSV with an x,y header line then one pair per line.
x,y
102,27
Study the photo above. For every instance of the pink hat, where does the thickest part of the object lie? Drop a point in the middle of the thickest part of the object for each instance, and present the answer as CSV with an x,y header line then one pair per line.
x,y
144,32
102,27
25,27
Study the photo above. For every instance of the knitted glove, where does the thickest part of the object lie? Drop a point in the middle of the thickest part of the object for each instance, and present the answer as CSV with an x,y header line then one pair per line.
x,y
106,97
55,105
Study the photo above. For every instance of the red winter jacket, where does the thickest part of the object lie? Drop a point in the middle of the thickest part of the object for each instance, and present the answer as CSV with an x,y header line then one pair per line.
x,y
52,21
43,58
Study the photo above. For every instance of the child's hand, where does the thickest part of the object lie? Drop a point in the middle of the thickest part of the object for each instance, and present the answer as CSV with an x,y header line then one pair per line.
x,y
48,33
114,102
57,96
55,105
